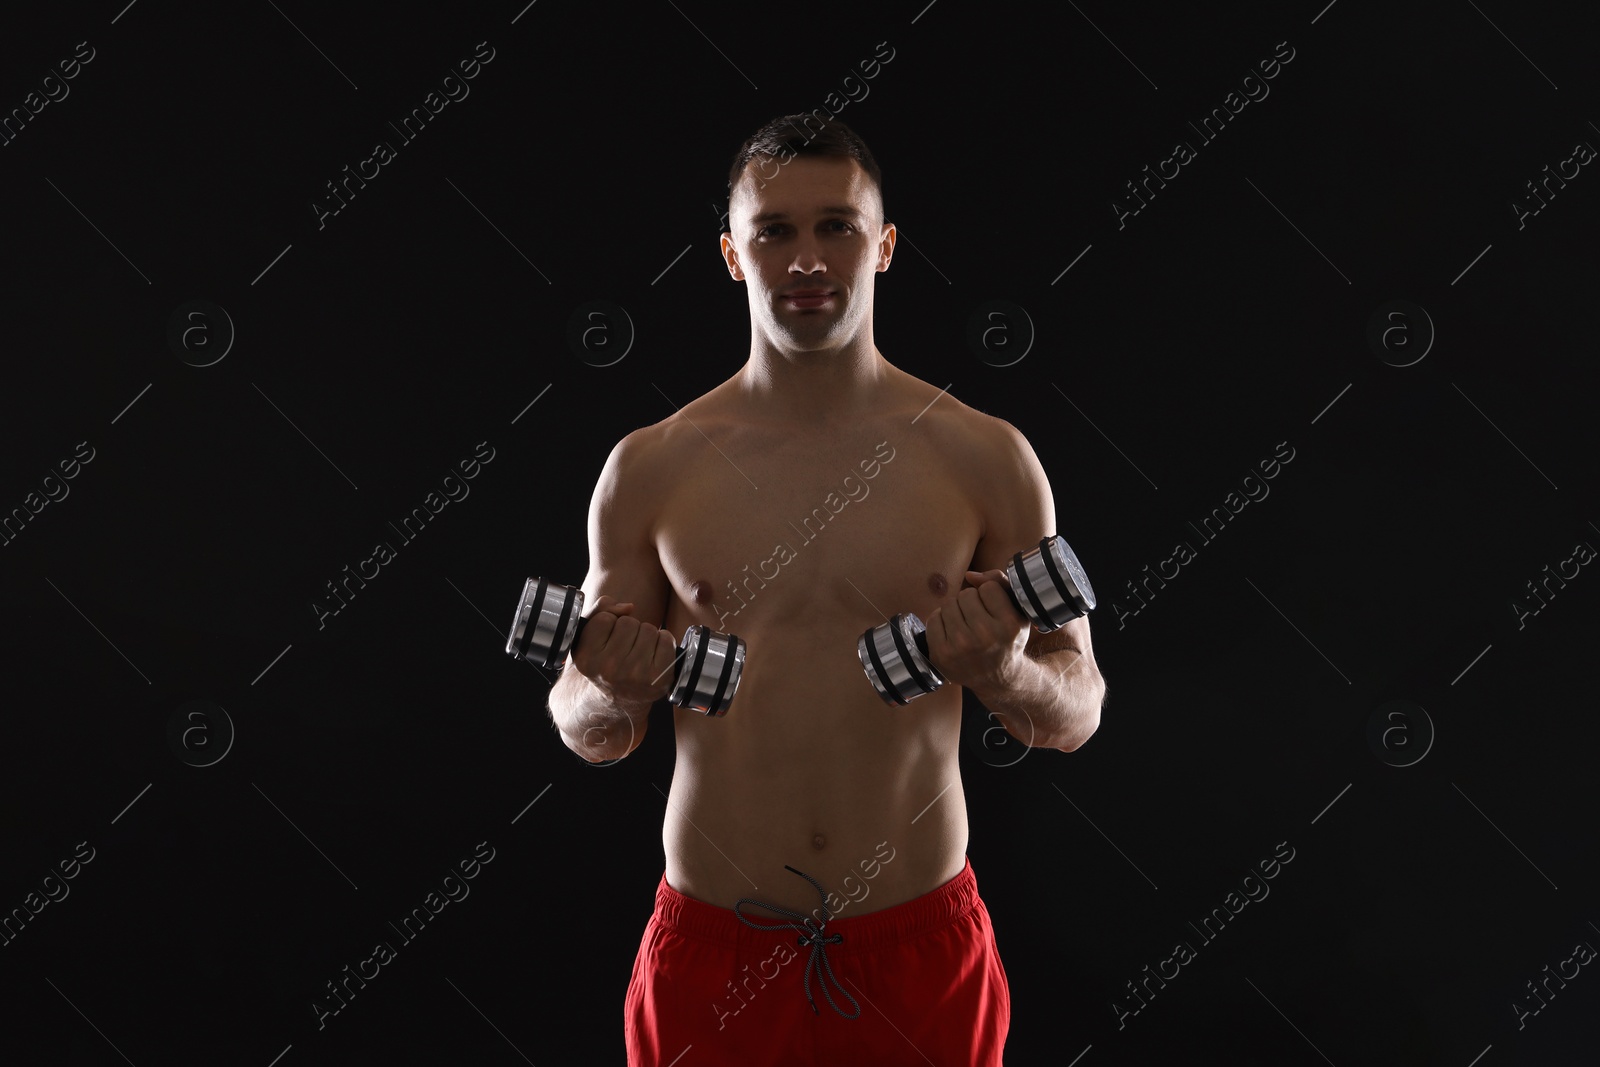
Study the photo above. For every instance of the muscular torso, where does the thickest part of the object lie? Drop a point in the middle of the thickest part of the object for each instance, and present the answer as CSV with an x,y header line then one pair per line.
x,y
809,767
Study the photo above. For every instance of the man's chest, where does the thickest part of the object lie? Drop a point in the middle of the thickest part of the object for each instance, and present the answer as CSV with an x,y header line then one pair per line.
x,y
773,536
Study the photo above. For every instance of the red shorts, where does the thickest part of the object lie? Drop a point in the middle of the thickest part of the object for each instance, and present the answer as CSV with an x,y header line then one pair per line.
x,y
925,976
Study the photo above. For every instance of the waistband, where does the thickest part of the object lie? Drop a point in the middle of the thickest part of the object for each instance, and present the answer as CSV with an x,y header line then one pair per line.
x,y
901,922
898,923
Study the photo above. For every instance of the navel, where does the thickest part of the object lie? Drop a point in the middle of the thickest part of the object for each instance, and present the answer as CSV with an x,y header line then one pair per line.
x,y
700,592
818,841
937,583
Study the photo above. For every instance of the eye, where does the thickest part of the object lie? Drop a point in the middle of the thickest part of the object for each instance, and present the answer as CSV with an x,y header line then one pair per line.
x,y
847,228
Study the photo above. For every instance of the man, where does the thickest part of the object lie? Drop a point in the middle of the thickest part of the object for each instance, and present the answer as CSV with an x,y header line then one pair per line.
x,y
800,502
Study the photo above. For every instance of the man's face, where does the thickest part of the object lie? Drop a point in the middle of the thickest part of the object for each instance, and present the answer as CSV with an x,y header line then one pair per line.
x,y
813,224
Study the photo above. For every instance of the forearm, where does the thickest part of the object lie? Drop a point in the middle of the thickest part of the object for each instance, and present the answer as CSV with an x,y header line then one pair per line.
x,y
594,724
1050,702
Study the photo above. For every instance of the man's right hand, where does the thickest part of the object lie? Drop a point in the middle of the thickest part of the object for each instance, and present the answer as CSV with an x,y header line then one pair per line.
x,y
629,660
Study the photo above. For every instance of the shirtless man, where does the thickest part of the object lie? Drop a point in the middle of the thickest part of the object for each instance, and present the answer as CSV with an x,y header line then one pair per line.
x,y
798,503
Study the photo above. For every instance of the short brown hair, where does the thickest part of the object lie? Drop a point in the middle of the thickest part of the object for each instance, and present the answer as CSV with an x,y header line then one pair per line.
x,y
793,135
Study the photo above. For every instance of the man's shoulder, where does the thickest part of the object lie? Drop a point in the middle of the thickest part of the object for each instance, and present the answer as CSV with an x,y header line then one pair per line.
x,y
645,455
661,440
989,457
999,469
971,435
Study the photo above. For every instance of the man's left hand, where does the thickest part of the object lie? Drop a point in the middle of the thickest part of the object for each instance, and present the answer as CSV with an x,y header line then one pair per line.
x,y
977,639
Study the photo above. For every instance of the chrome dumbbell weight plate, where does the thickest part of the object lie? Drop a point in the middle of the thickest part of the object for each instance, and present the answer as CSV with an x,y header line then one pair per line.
x,y
895,656
1048,585
546,623
709,666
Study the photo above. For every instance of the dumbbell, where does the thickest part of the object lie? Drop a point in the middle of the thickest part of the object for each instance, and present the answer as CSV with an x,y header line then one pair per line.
x,y
549,620
1047,585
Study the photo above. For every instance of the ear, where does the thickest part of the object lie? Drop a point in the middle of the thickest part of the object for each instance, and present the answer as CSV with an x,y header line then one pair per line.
x,y
730,256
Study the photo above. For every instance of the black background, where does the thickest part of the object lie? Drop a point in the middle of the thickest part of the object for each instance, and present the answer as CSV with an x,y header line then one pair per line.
x,y
377,351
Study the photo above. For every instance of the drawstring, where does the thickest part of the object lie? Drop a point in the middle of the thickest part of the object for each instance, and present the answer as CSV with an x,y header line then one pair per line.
x,y
810,934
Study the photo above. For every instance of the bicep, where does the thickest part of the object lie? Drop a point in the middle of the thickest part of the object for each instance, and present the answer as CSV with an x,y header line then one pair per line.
x,y
1017,506
1019,511
623,561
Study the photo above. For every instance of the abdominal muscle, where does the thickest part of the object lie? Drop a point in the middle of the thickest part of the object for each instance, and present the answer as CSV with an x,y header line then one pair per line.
x,y
810,768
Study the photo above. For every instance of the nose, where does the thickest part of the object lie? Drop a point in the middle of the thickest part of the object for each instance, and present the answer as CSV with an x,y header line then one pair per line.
x,y
807,259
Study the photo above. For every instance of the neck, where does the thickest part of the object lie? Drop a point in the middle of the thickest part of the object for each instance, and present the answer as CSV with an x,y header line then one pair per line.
x,y
819,387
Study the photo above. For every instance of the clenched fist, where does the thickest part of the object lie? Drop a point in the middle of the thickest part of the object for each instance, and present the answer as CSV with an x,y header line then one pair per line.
x,y
627,659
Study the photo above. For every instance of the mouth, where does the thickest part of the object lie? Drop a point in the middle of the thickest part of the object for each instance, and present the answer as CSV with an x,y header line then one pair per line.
x,y
808,298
